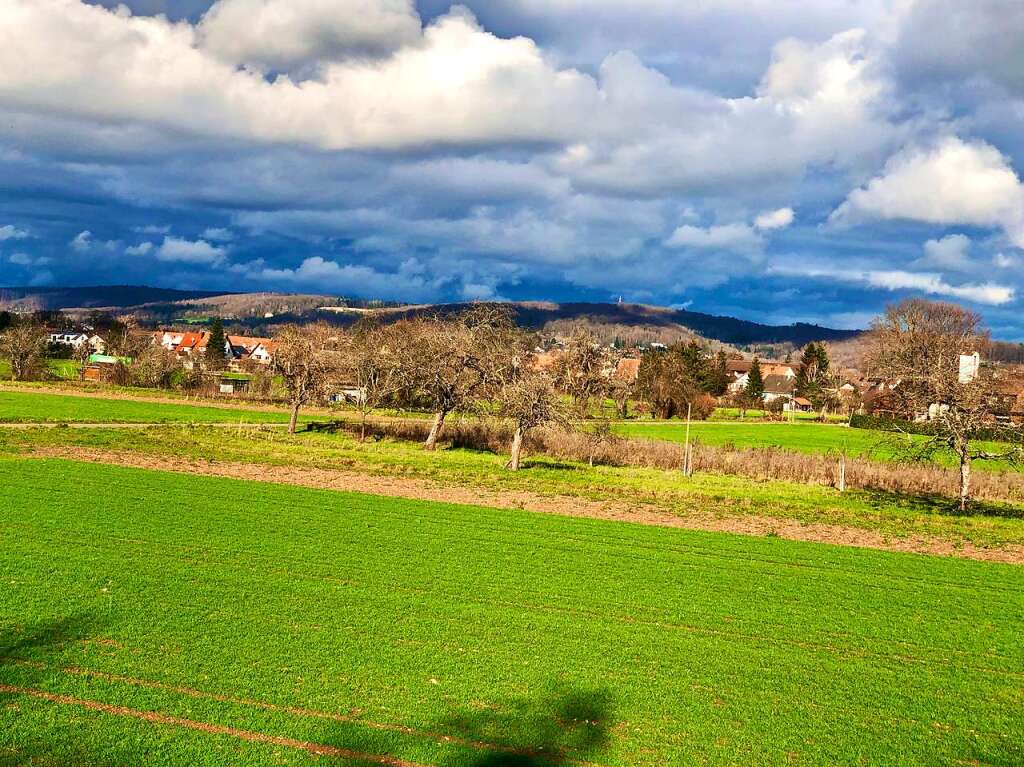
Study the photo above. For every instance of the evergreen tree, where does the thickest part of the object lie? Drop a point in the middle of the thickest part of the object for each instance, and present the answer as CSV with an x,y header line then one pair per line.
x,y
695,363
755,381
216,357
823,361
813,375
719,375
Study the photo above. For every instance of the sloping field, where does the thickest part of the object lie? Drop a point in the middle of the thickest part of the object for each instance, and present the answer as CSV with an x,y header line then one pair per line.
x,y
33,407
157,618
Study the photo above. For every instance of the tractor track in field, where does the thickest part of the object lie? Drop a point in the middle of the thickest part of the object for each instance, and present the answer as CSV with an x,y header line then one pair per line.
x,y
640,513
298,711
154,717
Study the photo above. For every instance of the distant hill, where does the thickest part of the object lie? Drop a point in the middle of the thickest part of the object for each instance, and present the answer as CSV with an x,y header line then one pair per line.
x,y
725,329
114,296
643,323
629,323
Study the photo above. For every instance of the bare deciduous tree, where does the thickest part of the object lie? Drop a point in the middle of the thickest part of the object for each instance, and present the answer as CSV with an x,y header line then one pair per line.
x,y
154,366
917,345
124,338
24,345
581,370
81,356
451,362
372,358
530,399
305,360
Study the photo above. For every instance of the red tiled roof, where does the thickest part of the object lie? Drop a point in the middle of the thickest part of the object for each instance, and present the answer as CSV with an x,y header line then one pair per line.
x,y
192,341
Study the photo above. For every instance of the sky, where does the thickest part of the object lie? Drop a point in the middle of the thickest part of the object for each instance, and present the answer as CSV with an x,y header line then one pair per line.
x,y
775,160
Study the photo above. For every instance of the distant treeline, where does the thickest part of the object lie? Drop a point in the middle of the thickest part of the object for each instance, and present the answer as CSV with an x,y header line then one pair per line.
x,y
1005,351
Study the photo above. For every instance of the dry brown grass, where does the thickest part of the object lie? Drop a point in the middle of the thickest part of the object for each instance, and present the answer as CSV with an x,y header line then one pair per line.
x,y
770,463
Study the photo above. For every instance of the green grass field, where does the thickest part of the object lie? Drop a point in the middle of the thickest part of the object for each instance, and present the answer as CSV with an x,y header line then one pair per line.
x,y
733,414
38,407
410,629
61,369
719,496
802,437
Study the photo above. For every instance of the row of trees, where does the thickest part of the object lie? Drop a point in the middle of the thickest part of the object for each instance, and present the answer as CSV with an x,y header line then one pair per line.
x,y
476,361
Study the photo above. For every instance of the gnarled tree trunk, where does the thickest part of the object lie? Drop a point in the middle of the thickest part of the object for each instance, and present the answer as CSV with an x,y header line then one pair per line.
x,y
965,480
435,430
517,450
293,420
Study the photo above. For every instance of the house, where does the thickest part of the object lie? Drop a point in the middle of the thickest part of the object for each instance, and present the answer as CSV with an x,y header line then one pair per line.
x,y
799,405
778,386
878,398
232,383
168,339
76,339
252,348
191,344
72,338
739,372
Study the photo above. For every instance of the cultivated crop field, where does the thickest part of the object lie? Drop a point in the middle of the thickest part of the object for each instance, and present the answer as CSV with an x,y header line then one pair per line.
x,y
149,617
39,407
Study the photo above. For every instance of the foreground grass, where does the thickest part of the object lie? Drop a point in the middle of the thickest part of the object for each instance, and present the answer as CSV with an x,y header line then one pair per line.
x,y
638,488
207,599
38,407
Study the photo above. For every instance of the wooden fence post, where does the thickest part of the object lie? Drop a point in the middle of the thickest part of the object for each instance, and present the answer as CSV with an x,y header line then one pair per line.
x,y
687,466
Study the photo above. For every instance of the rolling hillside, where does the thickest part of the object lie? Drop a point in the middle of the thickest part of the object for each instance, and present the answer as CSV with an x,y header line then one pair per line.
x,y
631,323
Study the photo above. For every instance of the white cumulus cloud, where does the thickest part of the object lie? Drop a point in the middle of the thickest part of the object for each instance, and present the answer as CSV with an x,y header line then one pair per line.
x,y
951,182
722,237
139,250
774,219
82,242
177,249
920,282
281,34
11,232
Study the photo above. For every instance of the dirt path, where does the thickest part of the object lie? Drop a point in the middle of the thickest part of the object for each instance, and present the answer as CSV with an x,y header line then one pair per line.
x,y
421,489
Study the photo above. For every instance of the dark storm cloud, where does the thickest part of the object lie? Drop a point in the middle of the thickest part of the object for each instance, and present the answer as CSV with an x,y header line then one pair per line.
x,y
774,160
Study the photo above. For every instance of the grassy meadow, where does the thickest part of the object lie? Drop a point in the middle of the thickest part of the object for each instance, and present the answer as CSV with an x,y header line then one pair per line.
x,y
640,489
811,438
434,634
40,407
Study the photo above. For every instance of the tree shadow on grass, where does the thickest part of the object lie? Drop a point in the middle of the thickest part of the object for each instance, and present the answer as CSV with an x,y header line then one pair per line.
x,y
28,656
38,641
941,505
564,728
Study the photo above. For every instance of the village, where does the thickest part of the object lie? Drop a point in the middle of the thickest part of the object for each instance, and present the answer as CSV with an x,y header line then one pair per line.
x,y
805,382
